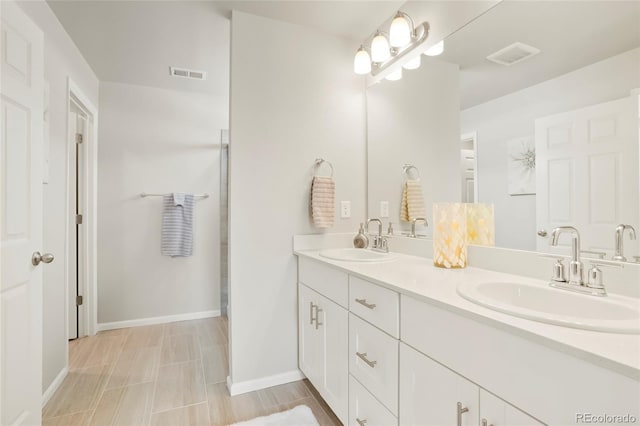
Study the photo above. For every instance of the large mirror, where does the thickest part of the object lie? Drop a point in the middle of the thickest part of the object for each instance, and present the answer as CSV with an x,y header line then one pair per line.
x,y
533,108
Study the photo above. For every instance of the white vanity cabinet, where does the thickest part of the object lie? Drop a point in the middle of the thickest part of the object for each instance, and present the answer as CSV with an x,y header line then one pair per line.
x,y
431,394
323,344
384,357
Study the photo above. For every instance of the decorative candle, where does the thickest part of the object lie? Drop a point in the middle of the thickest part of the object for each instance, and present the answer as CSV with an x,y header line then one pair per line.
x,y
450,235
480,224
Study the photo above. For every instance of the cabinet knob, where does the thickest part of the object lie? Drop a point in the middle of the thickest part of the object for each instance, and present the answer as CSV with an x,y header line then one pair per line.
x,y
460,411
361,422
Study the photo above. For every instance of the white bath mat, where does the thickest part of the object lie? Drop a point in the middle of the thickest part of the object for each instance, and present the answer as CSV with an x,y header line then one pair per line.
x,y
298,416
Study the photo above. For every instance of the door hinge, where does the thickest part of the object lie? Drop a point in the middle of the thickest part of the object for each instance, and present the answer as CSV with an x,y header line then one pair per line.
x,y
78,219
78,300
79,138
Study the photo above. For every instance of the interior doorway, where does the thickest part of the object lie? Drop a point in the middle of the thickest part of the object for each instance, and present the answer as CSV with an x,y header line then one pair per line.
x,y
80,124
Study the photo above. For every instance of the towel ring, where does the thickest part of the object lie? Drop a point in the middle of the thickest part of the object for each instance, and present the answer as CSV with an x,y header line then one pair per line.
x,y
407,167
320,161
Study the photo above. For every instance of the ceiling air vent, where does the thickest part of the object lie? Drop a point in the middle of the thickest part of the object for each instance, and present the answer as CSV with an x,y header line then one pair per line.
x,y
186,73
512,54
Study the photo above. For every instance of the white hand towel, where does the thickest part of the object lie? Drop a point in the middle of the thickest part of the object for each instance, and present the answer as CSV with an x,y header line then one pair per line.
x,y
412,201
177,225
323,190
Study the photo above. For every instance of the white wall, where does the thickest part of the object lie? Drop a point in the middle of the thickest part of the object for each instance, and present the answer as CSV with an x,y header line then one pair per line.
x,y
294,97
513,115
157,141
416,121
62,59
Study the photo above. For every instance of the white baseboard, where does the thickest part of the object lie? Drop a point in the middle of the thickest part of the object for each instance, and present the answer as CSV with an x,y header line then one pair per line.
x,y
157,320
53,387
265,382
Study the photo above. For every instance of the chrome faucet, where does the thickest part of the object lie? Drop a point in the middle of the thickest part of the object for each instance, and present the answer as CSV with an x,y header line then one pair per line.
x,y
593,285
413,225
380,243
576,270
619,255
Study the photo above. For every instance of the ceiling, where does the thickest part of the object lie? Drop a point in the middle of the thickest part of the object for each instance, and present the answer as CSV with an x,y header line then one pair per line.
x,y
570,35
136,42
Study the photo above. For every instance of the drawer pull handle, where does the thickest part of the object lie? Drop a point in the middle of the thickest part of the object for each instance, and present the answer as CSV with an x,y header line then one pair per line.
x,y
318,323
485,423
361,422
363,356
364,303
461,410
311,308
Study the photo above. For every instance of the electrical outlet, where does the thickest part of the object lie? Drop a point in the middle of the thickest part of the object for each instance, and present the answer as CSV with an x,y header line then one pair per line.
x,y
384,209
345,209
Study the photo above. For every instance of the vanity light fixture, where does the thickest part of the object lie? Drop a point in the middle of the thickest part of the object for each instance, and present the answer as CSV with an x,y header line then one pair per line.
x,y
362,62
403,38
412,64
400,33
380,50
436,49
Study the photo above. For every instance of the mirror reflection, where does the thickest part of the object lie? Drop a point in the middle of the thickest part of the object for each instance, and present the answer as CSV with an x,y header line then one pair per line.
x,y
533,108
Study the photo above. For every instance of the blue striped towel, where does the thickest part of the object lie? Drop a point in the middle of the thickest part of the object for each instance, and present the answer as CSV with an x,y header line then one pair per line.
x,y
177,225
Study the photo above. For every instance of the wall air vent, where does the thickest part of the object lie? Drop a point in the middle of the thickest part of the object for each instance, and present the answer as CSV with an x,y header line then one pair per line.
x,y
512,54
186,73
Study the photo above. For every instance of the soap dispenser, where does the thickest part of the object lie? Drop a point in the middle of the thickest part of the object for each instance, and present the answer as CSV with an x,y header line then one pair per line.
x,y
361,240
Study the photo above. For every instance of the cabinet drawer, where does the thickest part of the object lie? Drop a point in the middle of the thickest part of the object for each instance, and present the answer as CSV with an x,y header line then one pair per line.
x,y
373,360
378,305
365,408
329,282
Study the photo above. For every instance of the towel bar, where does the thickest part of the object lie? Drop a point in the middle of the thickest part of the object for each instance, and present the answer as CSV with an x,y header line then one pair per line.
x,y
319,162
144,194
407,167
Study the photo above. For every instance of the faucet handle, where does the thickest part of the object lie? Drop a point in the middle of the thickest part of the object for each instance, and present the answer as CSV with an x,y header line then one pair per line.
x,y
594,277
559,271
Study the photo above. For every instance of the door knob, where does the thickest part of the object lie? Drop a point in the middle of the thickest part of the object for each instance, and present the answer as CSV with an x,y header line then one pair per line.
x,y
37,258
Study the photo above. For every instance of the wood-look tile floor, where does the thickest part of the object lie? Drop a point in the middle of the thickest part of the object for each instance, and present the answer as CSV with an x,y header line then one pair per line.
x,y
172,374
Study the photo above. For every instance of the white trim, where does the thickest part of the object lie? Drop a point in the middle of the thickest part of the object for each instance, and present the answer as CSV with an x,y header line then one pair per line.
x,y
53,387
90,215
265,382
157,320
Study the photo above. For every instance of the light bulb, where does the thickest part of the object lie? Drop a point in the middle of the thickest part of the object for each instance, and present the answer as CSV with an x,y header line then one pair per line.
x,y
395,75
399,32
412,64
380,48
436,49
362,62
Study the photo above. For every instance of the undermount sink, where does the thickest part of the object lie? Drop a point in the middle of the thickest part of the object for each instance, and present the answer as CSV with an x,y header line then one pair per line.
x,y
614,314
356,255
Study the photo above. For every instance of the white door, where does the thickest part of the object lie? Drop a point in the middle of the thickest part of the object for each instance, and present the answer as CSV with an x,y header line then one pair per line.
x,y
79,122
333,330
21,215
430,393
587,173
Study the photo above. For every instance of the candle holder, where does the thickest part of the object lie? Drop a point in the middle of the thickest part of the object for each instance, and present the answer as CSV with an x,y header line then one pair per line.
x,y
450,235
481,228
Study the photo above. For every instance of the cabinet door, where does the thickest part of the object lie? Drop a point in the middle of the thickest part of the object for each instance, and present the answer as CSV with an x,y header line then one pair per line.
x,y
496,412
334,340
309,350
430,393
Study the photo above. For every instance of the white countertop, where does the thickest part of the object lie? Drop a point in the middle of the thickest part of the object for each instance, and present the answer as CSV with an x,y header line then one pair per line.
x,y
417,277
